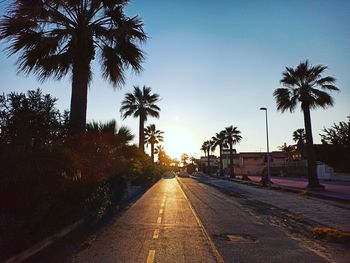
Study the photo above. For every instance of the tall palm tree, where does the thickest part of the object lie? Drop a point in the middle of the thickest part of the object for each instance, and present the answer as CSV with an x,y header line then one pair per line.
x,y
57,37
207,145
302,85
219,140
204,149
159,149
152,137
141,104
232,135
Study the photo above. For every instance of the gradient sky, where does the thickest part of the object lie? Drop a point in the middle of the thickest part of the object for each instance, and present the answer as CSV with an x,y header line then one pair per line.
x,y
214,64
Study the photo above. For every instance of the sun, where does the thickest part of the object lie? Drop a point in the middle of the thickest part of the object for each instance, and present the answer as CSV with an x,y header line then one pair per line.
x,y
179,140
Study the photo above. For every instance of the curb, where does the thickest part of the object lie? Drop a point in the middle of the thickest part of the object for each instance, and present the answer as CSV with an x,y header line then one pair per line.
x,y
43,244
286,189
36,248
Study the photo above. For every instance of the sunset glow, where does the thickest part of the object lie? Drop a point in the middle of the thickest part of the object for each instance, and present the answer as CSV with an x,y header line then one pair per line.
x,y
178,140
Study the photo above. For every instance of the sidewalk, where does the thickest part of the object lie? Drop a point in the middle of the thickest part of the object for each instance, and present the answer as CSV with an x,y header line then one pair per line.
x,y
324,213
334,190
339,191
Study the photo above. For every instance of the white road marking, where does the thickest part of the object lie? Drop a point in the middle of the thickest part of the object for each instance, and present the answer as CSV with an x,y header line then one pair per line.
x,y
159,220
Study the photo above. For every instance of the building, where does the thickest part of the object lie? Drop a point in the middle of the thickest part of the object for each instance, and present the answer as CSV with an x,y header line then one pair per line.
x,y
252,163
214,164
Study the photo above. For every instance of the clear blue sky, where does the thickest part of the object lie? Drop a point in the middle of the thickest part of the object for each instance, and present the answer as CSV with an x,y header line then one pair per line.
x,y
215,63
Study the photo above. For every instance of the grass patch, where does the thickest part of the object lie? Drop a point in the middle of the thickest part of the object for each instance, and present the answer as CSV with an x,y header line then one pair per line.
x,y
330,234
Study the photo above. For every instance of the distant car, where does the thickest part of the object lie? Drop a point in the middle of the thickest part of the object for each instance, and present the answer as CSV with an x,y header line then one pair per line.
x,y
183,174
169,175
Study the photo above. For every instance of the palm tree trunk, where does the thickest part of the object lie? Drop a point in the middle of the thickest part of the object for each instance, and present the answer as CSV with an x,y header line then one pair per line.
x,y
203,166
141,134
232,172
209,168
221,169
78,102
311,160
152,152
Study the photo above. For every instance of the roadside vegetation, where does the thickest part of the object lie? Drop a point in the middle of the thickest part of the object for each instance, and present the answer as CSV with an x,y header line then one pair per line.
x,y
306,85
51,178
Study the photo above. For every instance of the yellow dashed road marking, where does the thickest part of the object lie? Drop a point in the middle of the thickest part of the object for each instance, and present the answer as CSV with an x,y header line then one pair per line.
x,y
217,255
156,234
160,211
151,255
159,220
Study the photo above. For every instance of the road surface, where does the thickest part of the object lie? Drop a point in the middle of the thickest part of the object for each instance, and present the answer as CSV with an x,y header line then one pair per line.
x,y
183,220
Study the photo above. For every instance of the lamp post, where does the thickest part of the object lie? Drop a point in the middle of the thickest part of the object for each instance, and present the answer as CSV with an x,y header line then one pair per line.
x,y
267,180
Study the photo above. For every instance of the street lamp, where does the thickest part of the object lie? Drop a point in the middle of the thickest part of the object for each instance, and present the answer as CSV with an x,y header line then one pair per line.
x,y
267,181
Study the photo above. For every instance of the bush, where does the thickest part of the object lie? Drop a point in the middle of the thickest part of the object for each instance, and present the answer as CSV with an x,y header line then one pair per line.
x,y
98,203
49,179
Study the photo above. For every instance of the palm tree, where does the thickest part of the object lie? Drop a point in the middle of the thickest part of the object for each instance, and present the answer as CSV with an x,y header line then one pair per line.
x,y
152,137
207,146
109,132
204,149
299,138
184,159
55,37
299,135
140,103
219,140
106,148
288,150
160,151
302,85
232,135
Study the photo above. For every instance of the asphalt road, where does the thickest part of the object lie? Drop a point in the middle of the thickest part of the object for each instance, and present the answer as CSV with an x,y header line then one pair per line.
x,y
241,233
196,224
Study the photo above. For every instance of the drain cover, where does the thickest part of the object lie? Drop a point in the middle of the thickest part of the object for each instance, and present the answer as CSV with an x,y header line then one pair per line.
x,y
241,239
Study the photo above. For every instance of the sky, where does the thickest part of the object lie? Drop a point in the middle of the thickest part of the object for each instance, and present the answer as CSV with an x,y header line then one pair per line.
x,y
214,64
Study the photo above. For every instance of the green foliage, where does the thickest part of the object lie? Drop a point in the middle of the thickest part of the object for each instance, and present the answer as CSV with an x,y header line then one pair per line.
x,y
338,134
30,120
97,204
335,148
50,178
51,39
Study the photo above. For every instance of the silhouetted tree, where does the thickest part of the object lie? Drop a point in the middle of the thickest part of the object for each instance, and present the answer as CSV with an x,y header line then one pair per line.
x,y
160,151
219,140
232,136
302,83
152,137
55,37
338,134
207,145
299,138
140,104
31,120
184,159
288,149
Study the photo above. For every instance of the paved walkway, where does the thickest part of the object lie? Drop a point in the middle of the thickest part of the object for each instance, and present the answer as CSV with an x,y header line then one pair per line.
x,y
336,189
326,213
